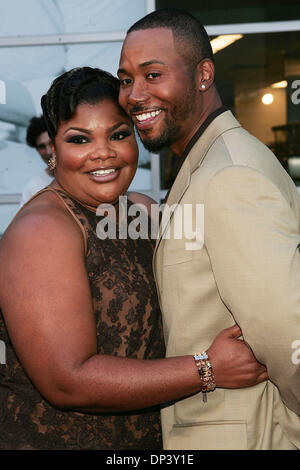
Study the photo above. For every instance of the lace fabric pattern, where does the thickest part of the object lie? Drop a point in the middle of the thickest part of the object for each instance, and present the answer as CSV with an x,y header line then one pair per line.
x,y
128,322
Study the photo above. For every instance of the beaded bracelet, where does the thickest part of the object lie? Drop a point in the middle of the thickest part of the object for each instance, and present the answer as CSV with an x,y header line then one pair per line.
x,y
206,373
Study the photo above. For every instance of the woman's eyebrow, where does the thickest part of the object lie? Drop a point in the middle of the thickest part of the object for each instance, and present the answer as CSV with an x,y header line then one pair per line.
x,y
119,124
80,129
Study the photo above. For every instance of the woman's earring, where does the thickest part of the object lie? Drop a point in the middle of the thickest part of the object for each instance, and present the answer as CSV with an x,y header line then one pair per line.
x,y
203,86
51,163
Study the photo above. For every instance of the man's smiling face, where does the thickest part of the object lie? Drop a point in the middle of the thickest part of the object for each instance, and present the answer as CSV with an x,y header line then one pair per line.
x,y
157,89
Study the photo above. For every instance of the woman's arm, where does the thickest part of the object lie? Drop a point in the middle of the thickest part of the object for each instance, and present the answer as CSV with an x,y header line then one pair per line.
x,y
46,301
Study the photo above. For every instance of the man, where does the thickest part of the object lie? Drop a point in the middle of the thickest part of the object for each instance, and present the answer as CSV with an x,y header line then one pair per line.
x,y
248,269
37,137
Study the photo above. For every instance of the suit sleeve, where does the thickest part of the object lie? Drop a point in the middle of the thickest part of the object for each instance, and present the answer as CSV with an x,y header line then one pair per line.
x,y
252,237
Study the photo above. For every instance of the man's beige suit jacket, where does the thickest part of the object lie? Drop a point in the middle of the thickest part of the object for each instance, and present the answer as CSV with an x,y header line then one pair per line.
x,y
239,262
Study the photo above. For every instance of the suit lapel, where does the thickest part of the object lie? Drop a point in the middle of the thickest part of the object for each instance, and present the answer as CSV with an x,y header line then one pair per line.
x,y
220,124
179,187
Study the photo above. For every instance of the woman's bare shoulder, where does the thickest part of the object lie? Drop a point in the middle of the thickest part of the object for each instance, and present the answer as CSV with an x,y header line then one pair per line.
x,y
43,218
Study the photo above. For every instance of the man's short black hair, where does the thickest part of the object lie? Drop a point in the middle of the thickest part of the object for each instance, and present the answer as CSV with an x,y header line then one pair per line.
x,y
37,126
190,37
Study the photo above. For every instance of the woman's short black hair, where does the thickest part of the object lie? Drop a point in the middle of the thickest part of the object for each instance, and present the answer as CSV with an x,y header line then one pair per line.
x,y
77,86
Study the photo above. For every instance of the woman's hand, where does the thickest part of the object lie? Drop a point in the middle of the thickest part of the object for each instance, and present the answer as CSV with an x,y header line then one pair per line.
x,y
233,361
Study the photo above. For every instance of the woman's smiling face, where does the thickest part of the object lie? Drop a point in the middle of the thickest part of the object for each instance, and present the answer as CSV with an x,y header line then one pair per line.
x,y
96,153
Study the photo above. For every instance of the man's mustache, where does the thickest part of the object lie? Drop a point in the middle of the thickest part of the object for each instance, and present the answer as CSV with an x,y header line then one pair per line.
x,y
137,109
142,109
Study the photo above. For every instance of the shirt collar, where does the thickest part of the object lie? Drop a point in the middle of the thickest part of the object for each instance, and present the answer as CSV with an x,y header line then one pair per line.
x,y
201,130
195,138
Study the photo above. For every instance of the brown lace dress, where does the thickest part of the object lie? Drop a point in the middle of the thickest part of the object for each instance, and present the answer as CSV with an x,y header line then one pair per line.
x,y
128,324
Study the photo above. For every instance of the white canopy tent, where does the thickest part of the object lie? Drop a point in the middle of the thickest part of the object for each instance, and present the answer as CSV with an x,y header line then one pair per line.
x,y
39,39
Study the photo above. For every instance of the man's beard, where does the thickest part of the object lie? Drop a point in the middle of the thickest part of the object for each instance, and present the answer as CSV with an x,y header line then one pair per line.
x,y
165,139
172,127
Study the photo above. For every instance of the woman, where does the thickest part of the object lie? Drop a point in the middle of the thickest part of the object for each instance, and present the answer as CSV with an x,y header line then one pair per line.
x,y
80,314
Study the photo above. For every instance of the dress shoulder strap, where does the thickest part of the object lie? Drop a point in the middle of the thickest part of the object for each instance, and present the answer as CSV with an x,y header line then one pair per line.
x,y
56,192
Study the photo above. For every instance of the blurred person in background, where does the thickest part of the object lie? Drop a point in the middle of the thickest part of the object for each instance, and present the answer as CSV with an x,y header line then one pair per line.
x,y
38,138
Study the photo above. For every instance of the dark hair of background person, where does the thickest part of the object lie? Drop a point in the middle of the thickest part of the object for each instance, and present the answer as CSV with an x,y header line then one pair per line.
x,y
77,86
36,127
191,39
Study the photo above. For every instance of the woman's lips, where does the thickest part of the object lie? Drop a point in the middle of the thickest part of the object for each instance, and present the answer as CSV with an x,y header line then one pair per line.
x,y
104,175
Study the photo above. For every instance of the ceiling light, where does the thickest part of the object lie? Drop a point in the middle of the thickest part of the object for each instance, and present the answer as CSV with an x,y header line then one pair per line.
x,y
282,84
220,42
268,98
